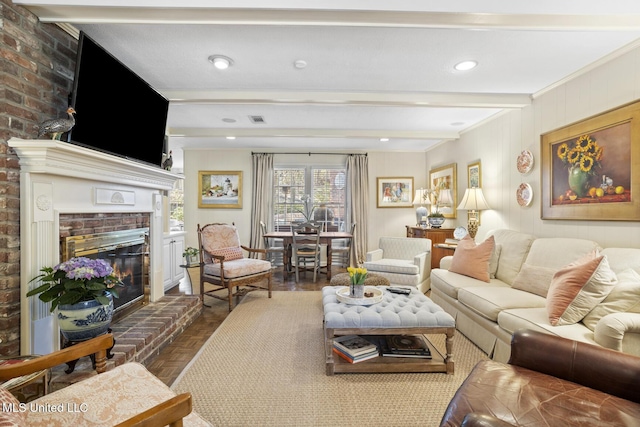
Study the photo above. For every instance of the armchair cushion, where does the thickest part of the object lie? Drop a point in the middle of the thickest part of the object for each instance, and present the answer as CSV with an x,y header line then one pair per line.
x,y
238,268
11,415
399,266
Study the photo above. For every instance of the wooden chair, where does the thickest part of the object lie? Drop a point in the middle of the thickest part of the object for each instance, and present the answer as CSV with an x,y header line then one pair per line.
x,y
306,247
274,250
170,411
223,265
341,254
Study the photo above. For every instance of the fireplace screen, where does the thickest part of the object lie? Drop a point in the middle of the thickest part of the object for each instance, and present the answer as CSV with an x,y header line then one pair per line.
x,y
126,251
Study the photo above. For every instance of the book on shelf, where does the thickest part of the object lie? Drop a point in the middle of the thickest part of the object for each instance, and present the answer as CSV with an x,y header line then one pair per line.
x,y
360,358
405,346
354,345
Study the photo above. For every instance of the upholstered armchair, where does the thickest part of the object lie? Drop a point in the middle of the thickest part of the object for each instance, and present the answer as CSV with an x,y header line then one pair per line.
x,y
224,266
402,260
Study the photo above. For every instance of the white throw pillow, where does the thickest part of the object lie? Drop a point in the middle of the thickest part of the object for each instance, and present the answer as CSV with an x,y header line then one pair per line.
x,y
623,298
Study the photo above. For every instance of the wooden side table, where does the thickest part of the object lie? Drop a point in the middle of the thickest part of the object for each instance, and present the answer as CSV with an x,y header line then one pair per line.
x,y
436,235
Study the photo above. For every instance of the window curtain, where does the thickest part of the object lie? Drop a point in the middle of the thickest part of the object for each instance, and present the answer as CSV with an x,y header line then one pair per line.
x,y
262,197
358,197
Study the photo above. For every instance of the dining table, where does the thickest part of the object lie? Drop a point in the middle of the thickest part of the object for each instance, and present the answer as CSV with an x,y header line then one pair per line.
x,y
326,237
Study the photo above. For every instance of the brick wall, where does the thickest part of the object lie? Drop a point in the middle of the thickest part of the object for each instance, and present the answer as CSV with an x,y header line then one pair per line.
x,y
79,224
37,63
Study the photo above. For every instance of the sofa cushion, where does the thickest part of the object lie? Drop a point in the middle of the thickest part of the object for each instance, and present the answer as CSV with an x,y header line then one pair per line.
x,y
11,415
390,265
493,261
515,247
622,258
489,301
556,252
472,260
534,279
450,283
623,298
579,287
537,319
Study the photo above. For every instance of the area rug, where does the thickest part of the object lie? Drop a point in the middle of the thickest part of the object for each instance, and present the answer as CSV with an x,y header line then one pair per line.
x,y
264,366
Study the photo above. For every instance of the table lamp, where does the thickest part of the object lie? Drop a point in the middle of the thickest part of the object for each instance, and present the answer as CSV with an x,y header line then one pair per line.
x,y
421,199
473,201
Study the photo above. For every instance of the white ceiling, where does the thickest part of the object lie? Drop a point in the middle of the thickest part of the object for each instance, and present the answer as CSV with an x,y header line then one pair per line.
x,y
375,68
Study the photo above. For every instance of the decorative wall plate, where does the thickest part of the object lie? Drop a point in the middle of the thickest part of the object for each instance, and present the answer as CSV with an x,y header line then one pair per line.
x,y
525,162
524,194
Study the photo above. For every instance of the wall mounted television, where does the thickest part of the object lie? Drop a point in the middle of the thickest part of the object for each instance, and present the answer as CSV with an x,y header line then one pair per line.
x,y
117,112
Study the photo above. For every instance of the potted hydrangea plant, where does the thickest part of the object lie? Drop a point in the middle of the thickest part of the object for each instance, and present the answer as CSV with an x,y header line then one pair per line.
x,y
81,290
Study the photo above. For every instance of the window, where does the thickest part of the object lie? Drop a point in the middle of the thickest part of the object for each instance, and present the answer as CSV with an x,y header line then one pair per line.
x,y
325,188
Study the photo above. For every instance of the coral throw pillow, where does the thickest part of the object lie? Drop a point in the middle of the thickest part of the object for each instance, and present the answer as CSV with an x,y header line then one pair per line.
x,y
229,254
578,287
472,260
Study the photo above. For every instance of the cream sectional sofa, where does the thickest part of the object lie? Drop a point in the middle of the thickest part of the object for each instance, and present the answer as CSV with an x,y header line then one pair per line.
x,y
520,269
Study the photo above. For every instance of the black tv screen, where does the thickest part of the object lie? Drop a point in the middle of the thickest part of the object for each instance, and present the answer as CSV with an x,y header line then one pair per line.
x,y
116,111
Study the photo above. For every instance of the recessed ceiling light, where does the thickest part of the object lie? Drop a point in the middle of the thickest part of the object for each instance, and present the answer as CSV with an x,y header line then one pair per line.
x,y
231,137
300,64
457,123
384,139
229,120
465,65
220,62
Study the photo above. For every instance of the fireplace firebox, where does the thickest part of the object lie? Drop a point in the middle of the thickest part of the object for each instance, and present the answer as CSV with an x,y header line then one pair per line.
x,y
127,251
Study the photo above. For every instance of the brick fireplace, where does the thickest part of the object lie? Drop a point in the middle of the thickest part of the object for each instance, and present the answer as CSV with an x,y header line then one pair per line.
x,y
67,189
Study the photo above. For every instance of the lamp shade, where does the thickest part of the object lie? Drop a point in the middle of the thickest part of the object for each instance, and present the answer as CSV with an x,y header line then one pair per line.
x,y
473,200
445,197
421,197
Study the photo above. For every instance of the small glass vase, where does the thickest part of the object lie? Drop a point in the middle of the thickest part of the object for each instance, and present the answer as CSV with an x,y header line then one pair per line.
x,y
356,291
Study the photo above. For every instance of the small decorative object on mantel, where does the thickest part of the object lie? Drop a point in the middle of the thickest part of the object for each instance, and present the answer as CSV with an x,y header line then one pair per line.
x,y
357,276
82,291
167,161
56,127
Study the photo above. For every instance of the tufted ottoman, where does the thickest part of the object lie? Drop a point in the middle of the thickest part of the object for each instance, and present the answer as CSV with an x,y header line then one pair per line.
x,y
396,314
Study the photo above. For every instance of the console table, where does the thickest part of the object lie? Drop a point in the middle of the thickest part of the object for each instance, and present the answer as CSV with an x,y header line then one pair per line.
x,y
436,235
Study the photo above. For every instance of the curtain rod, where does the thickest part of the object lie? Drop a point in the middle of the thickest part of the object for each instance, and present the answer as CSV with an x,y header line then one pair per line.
x,y
325,154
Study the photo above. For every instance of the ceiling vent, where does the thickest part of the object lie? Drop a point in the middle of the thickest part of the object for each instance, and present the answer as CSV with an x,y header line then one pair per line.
x,y
257,120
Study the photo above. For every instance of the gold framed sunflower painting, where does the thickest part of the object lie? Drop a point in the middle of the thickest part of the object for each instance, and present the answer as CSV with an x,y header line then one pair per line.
x,y
591,169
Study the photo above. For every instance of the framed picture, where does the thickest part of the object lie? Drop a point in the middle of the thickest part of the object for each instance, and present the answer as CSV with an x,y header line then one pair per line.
x,y
474,180
395,192
220,189
591,169
442,181
474,177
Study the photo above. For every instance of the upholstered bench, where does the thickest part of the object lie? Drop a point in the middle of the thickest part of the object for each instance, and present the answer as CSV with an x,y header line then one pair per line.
x,y
343,279
396,314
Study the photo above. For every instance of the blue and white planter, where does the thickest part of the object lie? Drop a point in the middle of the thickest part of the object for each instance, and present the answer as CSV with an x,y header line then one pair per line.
x,y
85,320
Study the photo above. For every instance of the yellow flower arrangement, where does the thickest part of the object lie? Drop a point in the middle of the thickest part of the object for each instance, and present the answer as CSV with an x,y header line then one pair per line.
x,y
357,275
585,154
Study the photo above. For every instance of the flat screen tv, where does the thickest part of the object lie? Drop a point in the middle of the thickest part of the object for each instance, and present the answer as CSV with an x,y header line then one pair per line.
x,y
117,112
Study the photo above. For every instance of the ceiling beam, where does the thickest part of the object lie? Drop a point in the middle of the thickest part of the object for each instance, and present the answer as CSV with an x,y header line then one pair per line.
x,y
309,133
72,12
384,99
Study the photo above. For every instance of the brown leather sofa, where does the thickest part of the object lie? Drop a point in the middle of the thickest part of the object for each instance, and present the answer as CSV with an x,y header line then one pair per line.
x,y
550,381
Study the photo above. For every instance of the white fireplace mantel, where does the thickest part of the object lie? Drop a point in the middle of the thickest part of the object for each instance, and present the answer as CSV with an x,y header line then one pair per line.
x,y
58,177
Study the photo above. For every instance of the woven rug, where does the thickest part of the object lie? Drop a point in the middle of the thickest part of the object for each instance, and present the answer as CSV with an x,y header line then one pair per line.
x,y
264,366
